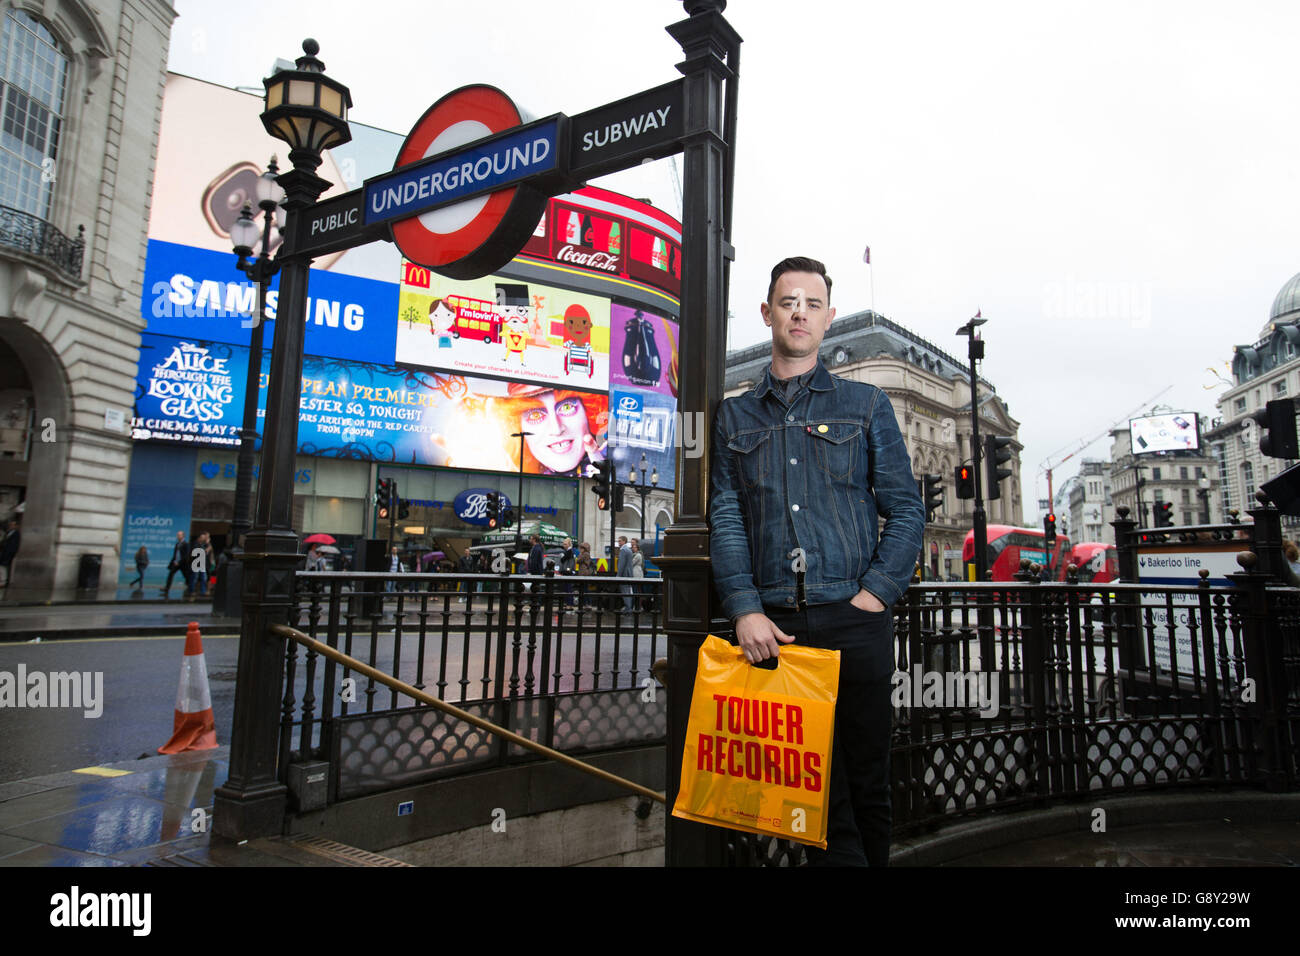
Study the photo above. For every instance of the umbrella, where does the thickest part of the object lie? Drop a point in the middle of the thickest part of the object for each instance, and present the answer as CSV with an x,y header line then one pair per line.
x,y
319,539
327,549
432,557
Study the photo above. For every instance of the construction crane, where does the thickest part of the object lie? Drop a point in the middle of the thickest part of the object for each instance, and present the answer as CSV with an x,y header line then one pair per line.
x,y
1075,447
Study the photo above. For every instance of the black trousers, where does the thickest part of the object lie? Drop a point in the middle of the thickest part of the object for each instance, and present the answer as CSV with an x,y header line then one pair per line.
x,y
857,832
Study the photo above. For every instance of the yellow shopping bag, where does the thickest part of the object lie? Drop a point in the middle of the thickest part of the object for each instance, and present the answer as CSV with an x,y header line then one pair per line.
x,y
758,744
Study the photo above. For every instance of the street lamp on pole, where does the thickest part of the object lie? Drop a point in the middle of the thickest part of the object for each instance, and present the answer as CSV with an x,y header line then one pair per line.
x,y
519,531
261,270
640,487
309,111
981,531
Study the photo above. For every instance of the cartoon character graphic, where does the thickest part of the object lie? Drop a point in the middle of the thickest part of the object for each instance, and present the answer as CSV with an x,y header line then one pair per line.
x,y
515,333
441,319
577,340
566,429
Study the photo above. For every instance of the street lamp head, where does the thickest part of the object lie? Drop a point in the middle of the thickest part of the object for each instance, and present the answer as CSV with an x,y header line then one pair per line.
x,y
269,192
307,109
244,234
631,476
654,477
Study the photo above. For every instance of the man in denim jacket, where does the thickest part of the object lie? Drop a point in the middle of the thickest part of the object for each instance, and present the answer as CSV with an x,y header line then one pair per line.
x,y
804,466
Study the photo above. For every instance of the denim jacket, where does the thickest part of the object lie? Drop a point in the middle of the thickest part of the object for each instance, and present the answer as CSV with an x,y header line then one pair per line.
x,y
817,475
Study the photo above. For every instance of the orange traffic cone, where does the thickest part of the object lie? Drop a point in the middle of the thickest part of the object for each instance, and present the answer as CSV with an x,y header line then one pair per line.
x,y
194,726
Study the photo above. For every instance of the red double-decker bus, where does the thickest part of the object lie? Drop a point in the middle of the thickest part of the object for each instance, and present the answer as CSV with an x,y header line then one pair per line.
x,y
1008,545
1097,562
475,318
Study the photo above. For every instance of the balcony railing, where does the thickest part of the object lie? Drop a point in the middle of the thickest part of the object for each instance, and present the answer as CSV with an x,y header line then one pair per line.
x,y
27,233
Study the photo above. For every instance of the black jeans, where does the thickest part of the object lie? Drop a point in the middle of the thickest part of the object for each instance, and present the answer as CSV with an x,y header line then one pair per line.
x,y
857,831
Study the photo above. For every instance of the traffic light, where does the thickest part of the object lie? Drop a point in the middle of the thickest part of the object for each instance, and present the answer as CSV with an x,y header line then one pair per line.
x,y
617,497
932,494
493,508
996,454
1049,529
601,486
1277,429
508,519
403,509
965,482
1164,514
383,495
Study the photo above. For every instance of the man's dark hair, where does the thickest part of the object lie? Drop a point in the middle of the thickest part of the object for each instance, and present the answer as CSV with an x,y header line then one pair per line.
x,y
798,264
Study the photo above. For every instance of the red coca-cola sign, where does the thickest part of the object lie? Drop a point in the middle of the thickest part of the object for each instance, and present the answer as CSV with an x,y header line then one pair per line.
x,y
605,261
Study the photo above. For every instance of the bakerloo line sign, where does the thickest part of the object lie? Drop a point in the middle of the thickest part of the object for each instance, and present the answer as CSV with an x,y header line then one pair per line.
x,y
472,179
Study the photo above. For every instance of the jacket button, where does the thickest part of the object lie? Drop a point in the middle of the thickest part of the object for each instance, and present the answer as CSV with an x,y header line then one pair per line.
x,y
789,418
789,600
794,507
794,461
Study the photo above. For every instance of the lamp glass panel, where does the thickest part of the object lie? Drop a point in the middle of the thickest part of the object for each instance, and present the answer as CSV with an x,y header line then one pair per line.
x,y
274,95
331,101
284,129
302,93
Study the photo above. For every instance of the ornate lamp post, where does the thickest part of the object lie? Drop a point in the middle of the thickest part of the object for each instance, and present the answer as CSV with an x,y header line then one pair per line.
x,y
641,488
261,270
307,110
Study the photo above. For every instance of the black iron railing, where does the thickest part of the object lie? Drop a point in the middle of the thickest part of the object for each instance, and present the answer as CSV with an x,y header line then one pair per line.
x,y
30,234
563,660
1027,694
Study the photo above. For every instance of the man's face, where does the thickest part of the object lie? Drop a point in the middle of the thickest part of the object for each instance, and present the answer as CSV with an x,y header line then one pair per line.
x,y
798,315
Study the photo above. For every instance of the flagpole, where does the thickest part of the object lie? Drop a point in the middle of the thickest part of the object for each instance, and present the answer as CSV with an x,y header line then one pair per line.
x,y
871,275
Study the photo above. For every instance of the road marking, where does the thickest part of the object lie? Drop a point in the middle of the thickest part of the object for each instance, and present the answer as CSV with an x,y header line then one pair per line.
x,y
142,637
104,771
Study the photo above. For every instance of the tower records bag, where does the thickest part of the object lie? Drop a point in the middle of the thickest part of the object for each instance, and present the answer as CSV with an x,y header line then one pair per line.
x,y
757,756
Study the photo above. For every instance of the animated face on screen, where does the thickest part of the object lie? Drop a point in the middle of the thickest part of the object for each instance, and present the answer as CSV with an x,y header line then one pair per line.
x,y
577,340
515,333
441,318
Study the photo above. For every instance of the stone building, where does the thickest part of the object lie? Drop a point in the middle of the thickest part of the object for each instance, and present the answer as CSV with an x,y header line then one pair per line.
x,y
930,392
1088,497
1268,368
82,91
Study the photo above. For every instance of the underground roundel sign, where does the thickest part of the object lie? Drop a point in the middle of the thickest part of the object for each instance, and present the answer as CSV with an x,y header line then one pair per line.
x,y
478,235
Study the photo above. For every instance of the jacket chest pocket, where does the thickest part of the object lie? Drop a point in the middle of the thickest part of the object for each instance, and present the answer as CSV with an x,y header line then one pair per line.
x,y
752,451
837,448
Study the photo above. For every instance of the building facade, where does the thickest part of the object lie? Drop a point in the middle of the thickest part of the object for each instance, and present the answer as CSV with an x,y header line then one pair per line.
x,y
930,393
1185,479
520,383
1267,369
82,88
1089,498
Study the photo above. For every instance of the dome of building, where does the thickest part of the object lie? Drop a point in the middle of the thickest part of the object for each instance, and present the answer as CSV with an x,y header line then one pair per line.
x,y
1287,300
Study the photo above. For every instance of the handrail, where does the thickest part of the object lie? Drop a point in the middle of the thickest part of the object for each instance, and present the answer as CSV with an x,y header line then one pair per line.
x,y
351,663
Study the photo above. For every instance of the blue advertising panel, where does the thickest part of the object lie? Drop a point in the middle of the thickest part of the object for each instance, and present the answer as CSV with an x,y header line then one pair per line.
x,y
159,498
644,422
192,392
192,292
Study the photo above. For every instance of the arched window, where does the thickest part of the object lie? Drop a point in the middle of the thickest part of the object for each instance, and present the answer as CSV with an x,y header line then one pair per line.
x,y
33,74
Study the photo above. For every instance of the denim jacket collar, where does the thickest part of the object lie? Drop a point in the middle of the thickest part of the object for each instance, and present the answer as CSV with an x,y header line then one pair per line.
x,y
821,381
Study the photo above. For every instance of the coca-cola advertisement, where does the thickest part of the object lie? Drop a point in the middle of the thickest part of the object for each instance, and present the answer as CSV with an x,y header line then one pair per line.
x,y
643,347
503,327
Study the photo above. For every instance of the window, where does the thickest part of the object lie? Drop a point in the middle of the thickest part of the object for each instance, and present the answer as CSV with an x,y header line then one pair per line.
x,y
1187,496
1200,472
1248,480
1279,387
1239,405
33,73
1182,472
1187,518
1155,474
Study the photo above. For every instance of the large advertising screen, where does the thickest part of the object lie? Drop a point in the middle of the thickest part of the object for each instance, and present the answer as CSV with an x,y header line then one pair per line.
x,y
494,326
192,392
644,423
644,347
1165,433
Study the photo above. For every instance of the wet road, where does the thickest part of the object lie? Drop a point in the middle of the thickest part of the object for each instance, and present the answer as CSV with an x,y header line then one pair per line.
x,y
139,681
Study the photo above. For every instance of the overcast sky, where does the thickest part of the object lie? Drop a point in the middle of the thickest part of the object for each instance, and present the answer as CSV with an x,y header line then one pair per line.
x,y
1114,184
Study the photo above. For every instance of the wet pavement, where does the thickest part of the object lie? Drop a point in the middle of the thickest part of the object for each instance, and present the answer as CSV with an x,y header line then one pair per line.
x,y
52,621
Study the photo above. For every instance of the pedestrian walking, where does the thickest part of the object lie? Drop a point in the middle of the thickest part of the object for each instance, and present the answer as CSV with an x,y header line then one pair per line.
x,y
625,571
825,453
180,561
586,568
638,571
568,568
141,564
206,559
